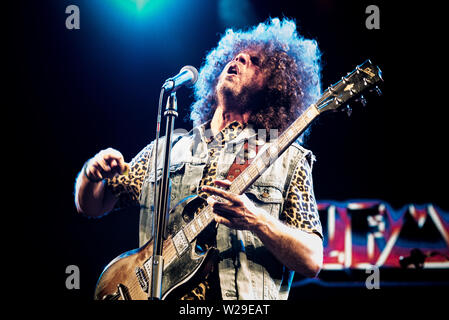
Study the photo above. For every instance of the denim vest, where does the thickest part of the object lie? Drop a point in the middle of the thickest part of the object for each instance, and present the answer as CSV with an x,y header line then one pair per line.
x,y
247,270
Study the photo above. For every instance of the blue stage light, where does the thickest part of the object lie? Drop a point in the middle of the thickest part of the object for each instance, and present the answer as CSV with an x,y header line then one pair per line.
x,y
141,6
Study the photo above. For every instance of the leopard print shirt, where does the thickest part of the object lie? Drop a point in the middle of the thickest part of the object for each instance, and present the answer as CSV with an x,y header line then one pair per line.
x,y
299,209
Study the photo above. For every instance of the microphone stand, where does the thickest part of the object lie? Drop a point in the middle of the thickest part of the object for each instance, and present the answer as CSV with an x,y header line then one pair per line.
x,y
163,204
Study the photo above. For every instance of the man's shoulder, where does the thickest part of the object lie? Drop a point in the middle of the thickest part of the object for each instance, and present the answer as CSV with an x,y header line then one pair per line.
x,y
297,151
298,148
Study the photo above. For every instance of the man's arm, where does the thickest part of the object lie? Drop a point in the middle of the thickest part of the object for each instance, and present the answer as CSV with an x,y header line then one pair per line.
x,y
92,198
298,250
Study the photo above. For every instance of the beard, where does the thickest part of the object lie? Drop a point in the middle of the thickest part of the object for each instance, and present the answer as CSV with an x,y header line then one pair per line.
x,y
248,98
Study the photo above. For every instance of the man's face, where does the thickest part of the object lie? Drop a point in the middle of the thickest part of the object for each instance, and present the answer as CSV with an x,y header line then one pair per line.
x,y
242,77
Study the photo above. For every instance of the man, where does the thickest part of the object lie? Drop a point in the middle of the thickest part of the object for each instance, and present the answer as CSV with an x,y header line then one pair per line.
x,y
260,79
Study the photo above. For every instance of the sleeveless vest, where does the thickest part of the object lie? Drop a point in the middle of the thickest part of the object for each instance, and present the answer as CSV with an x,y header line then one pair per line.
x,y
247,270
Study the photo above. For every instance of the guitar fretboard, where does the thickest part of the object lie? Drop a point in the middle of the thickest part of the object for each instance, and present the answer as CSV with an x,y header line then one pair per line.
x,y
257,167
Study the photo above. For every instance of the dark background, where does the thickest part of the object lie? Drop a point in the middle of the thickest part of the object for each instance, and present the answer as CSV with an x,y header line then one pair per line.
x,y
76,92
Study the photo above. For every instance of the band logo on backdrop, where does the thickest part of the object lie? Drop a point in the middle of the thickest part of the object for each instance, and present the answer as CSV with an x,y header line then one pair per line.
x,y
359,234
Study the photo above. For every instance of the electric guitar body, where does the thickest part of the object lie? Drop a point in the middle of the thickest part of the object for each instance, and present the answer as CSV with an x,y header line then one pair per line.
x,y
127,276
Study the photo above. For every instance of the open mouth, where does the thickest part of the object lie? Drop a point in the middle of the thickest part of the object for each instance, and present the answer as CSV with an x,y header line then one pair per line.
x,y
233,69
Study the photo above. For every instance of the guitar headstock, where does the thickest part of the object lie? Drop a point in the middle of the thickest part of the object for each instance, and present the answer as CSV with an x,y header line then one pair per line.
x,y
365,76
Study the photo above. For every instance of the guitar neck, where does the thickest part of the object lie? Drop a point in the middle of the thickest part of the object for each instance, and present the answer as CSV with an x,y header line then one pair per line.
x,y
273,151
257,167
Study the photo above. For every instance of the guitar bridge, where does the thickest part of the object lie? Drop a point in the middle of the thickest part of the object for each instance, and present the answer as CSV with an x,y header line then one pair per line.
x,y
143,281
148,274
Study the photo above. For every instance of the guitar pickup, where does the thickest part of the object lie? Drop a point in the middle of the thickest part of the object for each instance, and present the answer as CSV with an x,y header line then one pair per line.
x,y
180,242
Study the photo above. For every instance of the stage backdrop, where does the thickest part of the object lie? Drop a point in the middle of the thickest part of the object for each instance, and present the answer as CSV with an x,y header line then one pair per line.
x,y
406,246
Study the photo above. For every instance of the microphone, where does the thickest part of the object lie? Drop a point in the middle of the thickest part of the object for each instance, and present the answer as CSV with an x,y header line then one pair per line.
x,y
187,76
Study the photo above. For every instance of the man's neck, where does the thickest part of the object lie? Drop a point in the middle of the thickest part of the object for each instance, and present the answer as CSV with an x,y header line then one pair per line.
x,y
223,117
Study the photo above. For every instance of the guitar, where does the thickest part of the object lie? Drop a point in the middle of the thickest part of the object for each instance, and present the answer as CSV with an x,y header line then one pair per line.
x,y
129,276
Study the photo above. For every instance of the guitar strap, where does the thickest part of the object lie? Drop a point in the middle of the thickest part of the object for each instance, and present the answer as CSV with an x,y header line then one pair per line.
x,y
240,163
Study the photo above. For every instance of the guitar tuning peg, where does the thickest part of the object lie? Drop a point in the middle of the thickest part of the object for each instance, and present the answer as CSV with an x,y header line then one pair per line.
x,y
378,91
363,101
348,110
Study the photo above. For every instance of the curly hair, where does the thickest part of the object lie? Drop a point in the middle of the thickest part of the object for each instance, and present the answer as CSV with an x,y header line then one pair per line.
x,y
292,63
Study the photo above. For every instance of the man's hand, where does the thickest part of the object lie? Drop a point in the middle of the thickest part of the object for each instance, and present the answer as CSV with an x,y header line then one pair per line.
x,y
234,211
298,250
91,196
106,164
